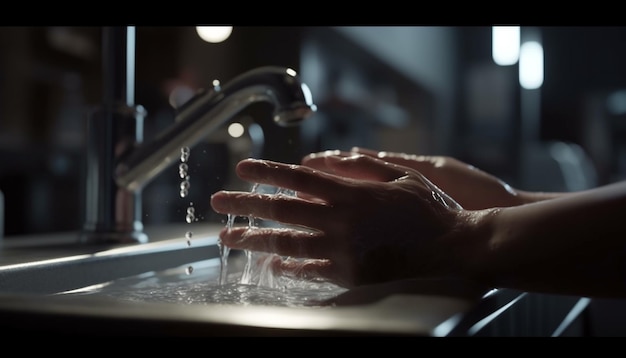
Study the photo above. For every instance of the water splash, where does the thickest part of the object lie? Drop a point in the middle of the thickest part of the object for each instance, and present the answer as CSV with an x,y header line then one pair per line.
x,y
246,276
174,286
257,270
224,253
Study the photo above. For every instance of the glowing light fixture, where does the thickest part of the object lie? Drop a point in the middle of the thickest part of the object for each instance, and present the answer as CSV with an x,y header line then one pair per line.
x,y
505,41
214,34
531,65
235,130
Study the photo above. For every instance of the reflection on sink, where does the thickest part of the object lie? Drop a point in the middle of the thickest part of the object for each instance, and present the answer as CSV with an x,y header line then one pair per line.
x,y
145,288
202,286
65,266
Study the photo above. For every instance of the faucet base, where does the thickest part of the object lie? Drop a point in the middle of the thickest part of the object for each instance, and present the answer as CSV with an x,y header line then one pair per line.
x,y
134,237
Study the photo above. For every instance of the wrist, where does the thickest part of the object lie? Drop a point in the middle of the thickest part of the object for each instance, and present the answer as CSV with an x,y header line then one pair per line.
x,y
472,244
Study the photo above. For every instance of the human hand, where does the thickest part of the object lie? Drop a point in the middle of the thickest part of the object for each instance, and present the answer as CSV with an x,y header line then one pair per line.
x,y
471,187
360,221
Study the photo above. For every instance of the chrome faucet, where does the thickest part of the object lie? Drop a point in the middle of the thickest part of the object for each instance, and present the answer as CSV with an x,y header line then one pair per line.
x,y
120,164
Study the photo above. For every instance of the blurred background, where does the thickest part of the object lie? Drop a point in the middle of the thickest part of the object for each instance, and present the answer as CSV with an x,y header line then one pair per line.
x,y
426,90
543,110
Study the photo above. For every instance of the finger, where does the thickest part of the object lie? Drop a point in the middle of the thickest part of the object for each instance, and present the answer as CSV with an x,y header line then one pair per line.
x,y
282,209
418,162
318,160
295,177
280,241
365,167
364,151
319,155
394,157
330,162
304,269
422,163
376,153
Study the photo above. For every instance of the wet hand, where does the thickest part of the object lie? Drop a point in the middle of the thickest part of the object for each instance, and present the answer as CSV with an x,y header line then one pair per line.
x,y
359,221
471,187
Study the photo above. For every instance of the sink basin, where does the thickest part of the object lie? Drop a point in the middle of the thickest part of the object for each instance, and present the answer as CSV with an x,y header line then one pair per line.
x,y
59,283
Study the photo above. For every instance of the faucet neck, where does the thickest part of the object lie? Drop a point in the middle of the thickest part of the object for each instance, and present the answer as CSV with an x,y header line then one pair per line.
x,y
113,213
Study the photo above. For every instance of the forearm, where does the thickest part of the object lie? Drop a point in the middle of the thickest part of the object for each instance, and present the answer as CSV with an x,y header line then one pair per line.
x,y
529,197
574,244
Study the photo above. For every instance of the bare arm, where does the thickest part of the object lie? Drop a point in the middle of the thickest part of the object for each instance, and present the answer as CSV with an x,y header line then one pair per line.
x,y
575,244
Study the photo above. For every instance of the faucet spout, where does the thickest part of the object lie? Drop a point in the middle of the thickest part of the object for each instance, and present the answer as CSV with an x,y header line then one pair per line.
x,y
207,111
117,217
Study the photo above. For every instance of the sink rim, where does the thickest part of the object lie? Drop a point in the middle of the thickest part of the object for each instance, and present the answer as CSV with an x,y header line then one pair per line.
x,y
59,272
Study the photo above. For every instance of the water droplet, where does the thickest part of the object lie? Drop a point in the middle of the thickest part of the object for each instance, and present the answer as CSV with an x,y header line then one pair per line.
x,y
184,156
185,185
188,242
188,235
182,170
189,270
191,210
189,218
183,193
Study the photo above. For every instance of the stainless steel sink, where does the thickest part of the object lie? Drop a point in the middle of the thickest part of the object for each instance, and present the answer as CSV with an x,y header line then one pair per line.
x,y
57,263
47,279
